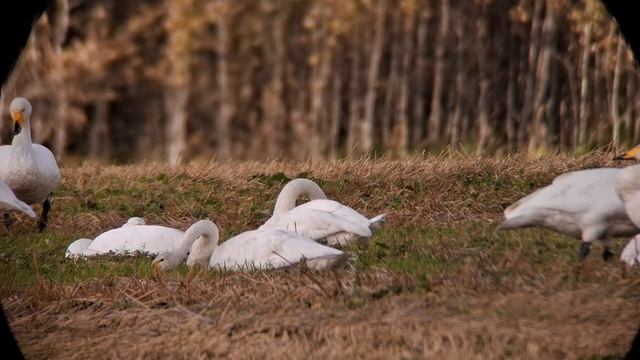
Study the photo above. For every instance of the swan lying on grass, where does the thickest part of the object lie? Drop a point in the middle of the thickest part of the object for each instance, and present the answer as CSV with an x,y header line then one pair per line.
x,y
132,238
30,170
326,221
251,250
582,204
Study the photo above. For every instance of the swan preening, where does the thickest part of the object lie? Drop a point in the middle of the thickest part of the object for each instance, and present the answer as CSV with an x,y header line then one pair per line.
x,y
132,238
251,250
29,170
320,219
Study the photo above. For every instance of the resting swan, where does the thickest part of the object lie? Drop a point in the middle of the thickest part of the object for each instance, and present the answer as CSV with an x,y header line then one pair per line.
x,y
582,204
326,221
133,237
9,201
30,170
251,250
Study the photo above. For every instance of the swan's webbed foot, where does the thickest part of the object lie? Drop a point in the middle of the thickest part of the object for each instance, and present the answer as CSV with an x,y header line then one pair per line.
x,y
607,254
8,221
584,250
44,218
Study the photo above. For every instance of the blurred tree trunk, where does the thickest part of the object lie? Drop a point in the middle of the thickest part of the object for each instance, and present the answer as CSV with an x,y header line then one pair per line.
x,y
482,49
460,82
539,134
320,71
355,93
615,96
368,122
99,137
177,90
419,76
530,85
584,75
272,96
336,114
436,115
226,106
401,128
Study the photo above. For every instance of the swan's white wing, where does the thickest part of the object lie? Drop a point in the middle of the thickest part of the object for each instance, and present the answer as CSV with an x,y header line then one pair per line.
x,y
268,249
47,165
631,253
575,192
77,248
148,239
318,224
5,152
337,209
9,201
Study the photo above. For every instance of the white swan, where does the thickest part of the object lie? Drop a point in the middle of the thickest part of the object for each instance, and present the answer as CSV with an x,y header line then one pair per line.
x,y
133,237
582,204
320,219
251,250
9,201
30,170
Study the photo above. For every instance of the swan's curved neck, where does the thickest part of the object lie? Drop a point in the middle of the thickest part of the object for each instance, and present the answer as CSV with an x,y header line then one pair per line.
x,y
290,193
204,228
21,143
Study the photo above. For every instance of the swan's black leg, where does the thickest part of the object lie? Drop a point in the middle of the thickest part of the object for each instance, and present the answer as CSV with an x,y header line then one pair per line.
x,y
46,206
8,221
584,250
607,254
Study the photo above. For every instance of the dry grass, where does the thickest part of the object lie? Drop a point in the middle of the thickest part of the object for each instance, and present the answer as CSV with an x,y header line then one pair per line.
x,y
436,282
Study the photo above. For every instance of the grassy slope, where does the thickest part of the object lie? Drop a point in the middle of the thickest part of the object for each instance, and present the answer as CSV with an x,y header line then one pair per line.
x,y
438,258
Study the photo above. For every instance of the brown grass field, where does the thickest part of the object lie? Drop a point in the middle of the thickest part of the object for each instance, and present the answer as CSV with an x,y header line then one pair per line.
x,y
437,281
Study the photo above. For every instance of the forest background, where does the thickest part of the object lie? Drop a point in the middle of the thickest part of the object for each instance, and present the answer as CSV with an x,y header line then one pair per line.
x,y
175,80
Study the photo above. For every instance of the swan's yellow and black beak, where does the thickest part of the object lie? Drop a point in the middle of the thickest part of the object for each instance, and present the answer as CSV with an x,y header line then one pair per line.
x,y
18,120
629,155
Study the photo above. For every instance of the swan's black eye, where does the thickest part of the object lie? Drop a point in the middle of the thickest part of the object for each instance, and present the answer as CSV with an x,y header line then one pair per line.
x,y
161,260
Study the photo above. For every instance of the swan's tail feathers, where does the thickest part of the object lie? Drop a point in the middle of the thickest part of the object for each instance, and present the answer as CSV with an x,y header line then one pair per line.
x,y
25,209
376,222
516,222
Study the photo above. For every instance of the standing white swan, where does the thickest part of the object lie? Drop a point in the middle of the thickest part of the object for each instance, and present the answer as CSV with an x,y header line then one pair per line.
x,y
9,201
133,237
30,170
582,204
251,250
320,219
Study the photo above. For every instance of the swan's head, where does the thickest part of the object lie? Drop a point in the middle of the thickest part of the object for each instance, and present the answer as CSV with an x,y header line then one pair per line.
x,y
167,261
20,109
134,221
633,154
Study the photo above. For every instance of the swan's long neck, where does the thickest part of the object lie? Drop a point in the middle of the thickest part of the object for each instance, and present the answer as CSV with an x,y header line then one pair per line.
x,y
204,228
21,143
290,193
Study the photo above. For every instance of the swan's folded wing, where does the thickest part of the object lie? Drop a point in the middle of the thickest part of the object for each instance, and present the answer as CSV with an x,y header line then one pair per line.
x,y
46,164
574,192
267,249
318,224
9,200
337,209
148,239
